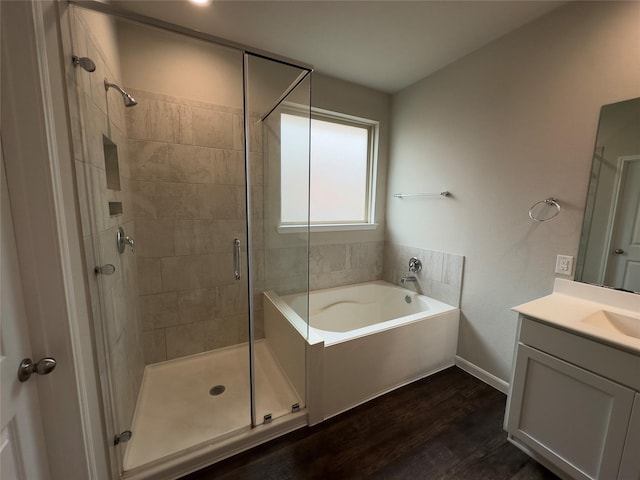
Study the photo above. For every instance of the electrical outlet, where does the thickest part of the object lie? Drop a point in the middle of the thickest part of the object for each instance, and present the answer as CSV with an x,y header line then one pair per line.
x,y
564,265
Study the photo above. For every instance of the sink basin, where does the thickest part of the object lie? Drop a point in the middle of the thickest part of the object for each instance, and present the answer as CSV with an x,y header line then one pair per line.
x,y
615,323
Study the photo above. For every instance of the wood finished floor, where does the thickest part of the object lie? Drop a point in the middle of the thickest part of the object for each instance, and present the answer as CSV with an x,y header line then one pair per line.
x,y
446,426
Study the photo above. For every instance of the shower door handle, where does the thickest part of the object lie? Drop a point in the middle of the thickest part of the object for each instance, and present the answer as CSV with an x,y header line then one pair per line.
x,y
236,258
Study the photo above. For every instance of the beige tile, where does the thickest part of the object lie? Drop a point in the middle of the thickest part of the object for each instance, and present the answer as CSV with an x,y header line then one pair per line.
x,y
149,275
79,46
143,199
155,348
196,271
138,120
176,200
188,163
84,199
212,128
452,270
120,139
432,264
283,262
224,331
183,340
327,258
361,255
96,78
163,121
149,161
96,125
233,299
207,236
75,118
446,293
217,201
257,202
155,238
227,167
256,168
159,310
238,132
199,305
185,125
255,136
258,326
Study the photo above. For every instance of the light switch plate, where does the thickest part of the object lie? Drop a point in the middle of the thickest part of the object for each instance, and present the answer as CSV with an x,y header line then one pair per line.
x,y
564,265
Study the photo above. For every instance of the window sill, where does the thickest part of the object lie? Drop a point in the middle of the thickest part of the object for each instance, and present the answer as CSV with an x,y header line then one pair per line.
x,y
333,227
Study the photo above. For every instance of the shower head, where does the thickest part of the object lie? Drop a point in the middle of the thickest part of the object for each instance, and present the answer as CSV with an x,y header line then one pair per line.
x,y
129,101
84,62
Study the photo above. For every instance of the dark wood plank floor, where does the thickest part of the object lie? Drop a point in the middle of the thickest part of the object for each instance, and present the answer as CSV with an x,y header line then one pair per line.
x,y
446,426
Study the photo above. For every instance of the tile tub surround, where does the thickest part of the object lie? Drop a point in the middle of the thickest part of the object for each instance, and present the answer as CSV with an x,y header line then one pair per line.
x,y
188,184
341,264
440,277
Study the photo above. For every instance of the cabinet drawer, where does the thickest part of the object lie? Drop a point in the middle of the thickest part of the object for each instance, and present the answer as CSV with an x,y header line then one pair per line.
x,y
617,365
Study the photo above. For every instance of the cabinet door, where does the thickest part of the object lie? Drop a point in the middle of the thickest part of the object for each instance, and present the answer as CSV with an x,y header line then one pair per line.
x,y
630,466
574,419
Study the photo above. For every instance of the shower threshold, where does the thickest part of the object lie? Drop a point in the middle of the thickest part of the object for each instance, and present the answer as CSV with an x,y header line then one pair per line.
x,y
178,418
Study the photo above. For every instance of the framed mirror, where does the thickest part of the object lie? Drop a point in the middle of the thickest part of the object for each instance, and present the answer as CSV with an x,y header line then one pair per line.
x,y
609,250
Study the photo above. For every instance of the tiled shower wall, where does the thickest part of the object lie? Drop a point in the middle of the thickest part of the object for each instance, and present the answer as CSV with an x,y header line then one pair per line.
x,y
95,114
440,277
187,170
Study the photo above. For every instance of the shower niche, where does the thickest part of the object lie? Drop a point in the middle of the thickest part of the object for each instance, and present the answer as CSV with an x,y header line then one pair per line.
x,y
111,167
190,167
112,174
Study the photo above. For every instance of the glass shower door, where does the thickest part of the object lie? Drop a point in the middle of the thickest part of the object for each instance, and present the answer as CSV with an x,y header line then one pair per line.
x,y
278,257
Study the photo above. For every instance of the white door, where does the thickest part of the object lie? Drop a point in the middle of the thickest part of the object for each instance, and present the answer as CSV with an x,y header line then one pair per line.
x,y
623,269
22,450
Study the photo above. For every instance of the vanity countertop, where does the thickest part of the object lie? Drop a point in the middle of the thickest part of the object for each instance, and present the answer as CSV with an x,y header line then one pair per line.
x,y
605,315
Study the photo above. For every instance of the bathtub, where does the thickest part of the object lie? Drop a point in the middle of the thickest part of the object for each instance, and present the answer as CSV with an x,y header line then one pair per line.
x,y
362,341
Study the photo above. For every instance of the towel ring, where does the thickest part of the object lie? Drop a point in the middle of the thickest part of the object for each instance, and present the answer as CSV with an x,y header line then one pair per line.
x,y
547,201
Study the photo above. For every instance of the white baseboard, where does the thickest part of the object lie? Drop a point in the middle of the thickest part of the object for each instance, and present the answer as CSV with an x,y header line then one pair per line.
x,y
483,375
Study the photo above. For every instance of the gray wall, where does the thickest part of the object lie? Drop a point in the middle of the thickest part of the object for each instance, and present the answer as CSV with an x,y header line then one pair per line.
x,y
509,125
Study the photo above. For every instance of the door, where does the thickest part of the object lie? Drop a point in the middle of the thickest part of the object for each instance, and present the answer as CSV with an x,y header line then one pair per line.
x,y
22,450
623,270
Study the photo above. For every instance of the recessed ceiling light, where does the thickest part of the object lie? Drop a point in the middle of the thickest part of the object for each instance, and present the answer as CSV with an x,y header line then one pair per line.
x,y
202,3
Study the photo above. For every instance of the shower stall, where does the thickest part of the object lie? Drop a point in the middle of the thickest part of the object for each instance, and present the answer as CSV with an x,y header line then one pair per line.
x,y
176,142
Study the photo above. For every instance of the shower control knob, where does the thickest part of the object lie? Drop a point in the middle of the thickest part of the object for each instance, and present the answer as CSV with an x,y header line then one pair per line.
x,y
415,265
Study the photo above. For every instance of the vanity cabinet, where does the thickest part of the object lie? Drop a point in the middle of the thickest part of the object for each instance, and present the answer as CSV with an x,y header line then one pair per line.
x,y
573,404
630,466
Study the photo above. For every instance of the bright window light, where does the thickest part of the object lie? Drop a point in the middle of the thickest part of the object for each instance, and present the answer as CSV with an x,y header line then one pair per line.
x,y
340,177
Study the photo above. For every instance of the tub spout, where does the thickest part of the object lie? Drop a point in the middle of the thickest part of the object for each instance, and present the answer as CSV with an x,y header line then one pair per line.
x,y
409,278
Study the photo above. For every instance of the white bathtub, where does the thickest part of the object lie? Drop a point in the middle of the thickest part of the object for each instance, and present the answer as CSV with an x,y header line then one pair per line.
x,y
363,341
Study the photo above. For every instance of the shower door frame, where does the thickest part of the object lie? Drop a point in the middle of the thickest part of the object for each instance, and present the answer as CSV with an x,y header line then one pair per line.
x,y
167,465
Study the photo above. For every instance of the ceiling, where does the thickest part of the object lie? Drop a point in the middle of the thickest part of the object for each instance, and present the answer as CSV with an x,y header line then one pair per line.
x,y
385,45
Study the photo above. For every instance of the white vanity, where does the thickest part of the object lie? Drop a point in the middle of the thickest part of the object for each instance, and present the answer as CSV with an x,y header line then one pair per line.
x,y
574,397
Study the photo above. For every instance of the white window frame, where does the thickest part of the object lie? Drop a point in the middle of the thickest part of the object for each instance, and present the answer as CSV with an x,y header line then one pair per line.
x,y
372,128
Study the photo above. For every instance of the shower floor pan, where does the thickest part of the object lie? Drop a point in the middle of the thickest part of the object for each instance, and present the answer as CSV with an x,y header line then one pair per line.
x,y
179,406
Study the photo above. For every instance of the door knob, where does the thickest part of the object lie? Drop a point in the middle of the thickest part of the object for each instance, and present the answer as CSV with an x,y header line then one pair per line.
x,y
618,251
44,366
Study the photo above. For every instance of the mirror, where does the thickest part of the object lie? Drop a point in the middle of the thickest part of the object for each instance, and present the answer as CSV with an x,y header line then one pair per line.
x,y
609,251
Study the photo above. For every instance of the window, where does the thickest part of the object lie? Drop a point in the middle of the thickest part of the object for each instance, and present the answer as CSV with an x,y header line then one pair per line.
x,y
342,166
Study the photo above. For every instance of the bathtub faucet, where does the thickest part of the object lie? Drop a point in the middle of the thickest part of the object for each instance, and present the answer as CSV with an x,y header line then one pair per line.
x,y
409,278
